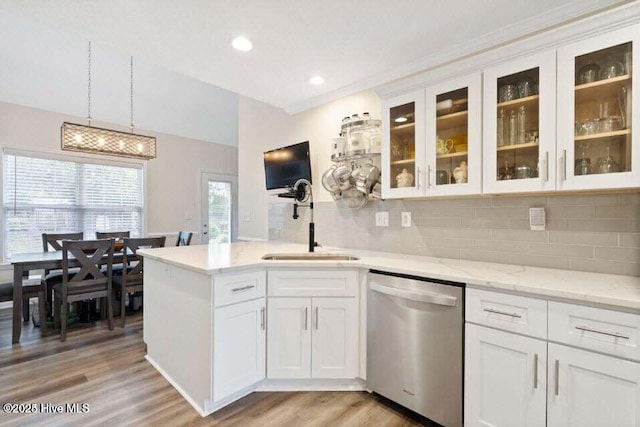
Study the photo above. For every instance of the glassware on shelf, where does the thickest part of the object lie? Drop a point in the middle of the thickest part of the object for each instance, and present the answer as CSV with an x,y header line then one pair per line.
x,y
610,124
526,88
506,173
608,164
522,125
588,74
513,129
611,68
583,164
508,93
501,131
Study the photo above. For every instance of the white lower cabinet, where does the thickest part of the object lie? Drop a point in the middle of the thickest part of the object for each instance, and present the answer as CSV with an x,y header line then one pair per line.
x,y
239,343
312,338
589,389
289,341
505,380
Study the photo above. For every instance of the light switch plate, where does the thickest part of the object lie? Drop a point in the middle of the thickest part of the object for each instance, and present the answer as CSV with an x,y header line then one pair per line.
x,y
382,219
406,219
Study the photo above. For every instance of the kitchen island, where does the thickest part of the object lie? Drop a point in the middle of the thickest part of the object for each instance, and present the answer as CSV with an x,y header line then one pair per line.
x,y
198,297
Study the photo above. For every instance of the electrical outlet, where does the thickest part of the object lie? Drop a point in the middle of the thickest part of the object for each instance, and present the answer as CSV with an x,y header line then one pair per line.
x,y
382,219
406,219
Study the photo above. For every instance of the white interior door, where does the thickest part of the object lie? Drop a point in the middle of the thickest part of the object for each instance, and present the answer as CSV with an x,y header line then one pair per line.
x,y
334,351
219,204
289,338
588,389
504,379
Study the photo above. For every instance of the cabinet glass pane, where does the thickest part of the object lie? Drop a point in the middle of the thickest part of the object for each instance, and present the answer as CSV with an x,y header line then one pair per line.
x,y
517,125
603,111
451,137
403,145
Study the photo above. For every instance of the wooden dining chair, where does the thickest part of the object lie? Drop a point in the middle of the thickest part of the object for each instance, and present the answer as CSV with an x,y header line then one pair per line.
x,y
184,238
54,241
131,280
88,283
112,234
29,290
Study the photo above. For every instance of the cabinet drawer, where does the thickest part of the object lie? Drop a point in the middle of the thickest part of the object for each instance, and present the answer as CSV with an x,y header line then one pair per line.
x,y
236,287
512,313
607,331
318,283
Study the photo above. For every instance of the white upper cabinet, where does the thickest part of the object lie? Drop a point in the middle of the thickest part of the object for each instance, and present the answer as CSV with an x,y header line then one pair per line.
x,y
519,132
403,146
596,99
454,138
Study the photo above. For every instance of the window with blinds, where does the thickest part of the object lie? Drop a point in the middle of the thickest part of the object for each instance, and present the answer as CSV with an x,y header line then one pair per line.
x,y
52,196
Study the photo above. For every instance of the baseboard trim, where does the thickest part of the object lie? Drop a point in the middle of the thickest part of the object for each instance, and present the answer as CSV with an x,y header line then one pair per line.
x,y
177,387
355,384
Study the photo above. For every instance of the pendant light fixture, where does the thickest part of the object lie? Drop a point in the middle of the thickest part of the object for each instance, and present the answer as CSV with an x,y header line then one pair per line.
x,y
90,139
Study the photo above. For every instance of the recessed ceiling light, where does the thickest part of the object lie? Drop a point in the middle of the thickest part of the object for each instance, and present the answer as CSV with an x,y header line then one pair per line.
x,y
242,44
316,80
401,120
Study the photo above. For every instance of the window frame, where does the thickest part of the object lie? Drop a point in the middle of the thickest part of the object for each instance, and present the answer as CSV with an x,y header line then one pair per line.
x,y
69,157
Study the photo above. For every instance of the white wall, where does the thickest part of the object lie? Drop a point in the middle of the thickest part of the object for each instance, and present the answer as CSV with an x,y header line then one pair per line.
x,y
47,69
172,178
263,127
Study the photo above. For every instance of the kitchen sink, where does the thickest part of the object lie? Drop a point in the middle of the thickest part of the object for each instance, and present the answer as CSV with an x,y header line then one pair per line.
x,y
310,257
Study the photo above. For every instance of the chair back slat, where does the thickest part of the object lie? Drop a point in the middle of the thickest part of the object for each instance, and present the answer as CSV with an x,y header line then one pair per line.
x,y
131,246
184,238
91,255
54,240
112,234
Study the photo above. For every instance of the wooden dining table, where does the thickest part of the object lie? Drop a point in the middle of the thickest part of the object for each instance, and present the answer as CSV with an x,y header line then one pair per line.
x,y
23,263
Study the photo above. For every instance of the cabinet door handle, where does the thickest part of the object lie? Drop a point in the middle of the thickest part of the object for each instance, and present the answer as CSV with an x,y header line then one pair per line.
x,y
243,288
546,166
262,320
598,331
418,179
563,164
428,176
557,389
317,318
504,313
535,370
306,312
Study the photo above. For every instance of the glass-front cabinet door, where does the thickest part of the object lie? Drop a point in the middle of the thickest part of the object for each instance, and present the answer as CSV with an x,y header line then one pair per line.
x,y
597,145
454,152
519,125
403,153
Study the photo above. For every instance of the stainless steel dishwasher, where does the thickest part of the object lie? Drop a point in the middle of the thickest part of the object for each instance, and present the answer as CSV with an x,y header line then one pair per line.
x,y
415,344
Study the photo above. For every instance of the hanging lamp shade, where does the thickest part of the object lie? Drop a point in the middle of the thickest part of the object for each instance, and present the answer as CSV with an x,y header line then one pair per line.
x,y
90,139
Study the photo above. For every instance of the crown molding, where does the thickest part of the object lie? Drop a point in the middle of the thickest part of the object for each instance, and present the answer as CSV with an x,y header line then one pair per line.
x,y
553,28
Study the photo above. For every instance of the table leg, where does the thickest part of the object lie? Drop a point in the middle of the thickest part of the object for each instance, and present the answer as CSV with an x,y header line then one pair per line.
x,y
17,303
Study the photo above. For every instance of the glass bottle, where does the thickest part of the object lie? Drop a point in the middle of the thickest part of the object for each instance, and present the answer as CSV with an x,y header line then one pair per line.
x,y
513,128
501,128
522,124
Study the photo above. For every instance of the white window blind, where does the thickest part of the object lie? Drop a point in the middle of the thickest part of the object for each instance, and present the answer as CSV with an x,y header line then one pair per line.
x,y
52,196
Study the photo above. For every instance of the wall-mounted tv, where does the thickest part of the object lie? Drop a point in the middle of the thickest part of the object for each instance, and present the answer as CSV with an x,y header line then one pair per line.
x,y
284,166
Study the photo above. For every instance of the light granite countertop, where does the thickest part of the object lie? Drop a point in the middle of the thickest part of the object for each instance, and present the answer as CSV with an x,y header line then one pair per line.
x,y
609,289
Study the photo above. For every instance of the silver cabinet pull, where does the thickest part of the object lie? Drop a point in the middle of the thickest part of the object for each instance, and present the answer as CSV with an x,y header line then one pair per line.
x,y
262,318
563,164
546,166
504,313
418,180
557,390
243,288
535,370
306,311
597,331
317,317
429,176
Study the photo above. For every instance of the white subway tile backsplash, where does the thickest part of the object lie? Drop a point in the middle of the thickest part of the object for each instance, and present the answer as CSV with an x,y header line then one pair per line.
x,y
588,232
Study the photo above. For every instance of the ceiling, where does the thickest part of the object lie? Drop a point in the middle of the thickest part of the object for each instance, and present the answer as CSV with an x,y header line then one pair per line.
x,y
353,44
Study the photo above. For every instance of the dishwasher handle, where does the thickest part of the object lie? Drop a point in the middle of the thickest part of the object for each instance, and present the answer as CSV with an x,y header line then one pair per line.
x,y
420,296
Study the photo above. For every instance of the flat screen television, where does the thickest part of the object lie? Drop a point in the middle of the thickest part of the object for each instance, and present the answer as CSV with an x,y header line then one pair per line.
x,y
284,166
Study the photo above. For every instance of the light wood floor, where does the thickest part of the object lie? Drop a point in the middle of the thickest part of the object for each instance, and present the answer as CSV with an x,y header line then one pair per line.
x,y
107,369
